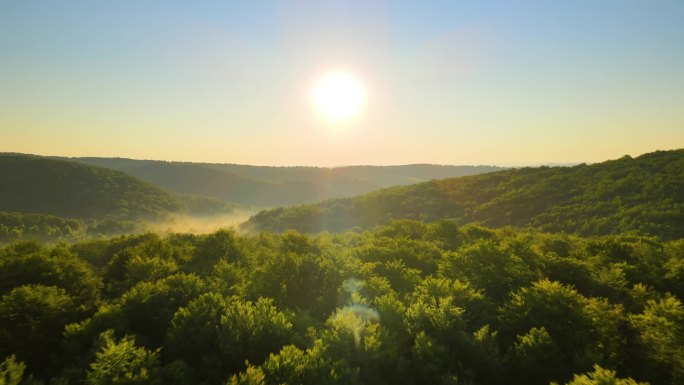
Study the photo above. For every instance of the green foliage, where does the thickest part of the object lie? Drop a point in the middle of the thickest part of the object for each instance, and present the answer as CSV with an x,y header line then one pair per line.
x,y
295,278
11,371
403,304
416,254
147,308
601,376
534,357
45,228
33,184
661,332
291,365
251,376
642,194
28,263
272,186
421,299
211,248
52,229
217,334
123,363
554,321
488,266
33,319
316,365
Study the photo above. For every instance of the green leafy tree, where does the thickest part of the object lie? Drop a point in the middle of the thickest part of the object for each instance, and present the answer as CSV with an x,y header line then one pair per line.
x,y
418,254
601,376
32,320
147,308
445,233
11,371
140,268
534,357
123,363
402,279
251,376
312,366
295,281
216,334
583,330
488,267
661,333
212,248
227,278
29,263
674,267
439,316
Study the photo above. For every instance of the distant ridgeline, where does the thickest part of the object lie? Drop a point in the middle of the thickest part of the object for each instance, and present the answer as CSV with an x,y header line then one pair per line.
x,y
275,186
643,194
48,199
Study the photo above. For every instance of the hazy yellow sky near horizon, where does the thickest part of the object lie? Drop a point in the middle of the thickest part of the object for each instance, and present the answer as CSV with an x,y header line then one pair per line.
x,y
445,82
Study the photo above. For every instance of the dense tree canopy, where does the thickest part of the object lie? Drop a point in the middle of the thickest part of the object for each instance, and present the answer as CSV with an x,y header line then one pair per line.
x,y
644,194
32,184
406,303
268,186
55,200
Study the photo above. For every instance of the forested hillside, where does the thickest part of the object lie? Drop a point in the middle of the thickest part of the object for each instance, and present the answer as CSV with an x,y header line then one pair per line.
x,y
375,176
199,214
59,201
199,179
409,303
16,226
274,186
39,185
645,194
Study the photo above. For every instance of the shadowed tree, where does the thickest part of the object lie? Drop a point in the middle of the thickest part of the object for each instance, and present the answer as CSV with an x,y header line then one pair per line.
x,y
661,333
554,320
216,335
32,320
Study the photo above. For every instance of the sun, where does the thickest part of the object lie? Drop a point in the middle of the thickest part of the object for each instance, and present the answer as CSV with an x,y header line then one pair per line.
x,y
338,96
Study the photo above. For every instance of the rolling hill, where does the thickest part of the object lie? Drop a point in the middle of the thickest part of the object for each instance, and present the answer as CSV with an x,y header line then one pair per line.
x,y
32,184
275,186
345,178
643,194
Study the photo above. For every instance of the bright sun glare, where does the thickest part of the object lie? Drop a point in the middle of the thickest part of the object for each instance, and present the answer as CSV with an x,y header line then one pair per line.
x,y
338,96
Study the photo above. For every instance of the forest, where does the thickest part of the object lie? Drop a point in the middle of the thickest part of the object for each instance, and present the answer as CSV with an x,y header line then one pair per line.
x,y
539,275
643,194
342,192
269,186
51,200
406,303
33,184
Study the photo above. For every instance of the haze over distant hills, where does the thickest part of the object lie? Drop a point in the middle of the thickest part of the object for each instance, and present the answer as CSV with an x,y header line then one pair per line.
x,y
53,199
275,186
644,193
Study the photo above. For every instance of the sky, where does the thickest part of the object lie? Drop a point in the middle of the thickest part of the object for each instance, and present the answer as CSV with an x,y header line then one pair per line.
x,y
448,82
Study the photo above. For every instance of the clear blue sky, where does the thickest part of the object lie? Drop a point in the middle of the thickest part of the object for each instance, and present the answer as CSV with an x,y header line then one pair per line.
x,y
453,82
